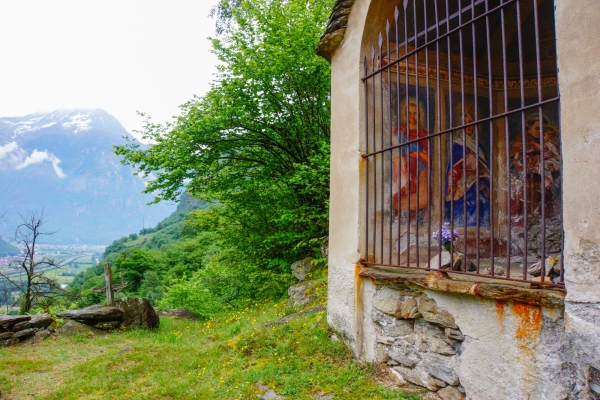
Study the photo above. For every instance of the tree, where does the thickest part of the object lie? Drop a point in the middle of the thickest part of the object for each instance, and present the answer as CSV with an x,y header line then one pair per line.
x,y
133,263
33,281
257,144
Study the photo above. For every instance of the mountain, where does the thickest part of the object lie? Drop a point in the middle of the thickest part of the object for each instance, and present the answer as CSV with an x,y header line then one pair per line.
x,y
7,249
63,162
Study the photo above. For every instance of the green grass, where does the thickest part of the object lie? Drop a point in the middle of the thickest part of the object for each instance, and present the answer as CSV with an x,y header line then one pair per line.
x,y
221,358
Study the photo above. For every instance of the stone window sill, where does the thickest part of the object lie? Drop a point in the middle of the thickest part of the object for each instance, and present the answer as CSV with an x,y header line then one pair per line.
x,y
489,288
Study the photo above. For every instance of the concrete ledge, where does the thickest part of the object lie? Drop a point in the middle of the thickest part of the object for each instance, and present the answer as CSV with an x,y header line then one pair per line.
x,y
488,288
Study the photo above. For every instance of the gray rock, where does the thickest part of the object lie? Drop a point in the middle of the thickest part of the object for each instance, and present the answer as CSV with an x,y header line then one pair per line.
x,y
440,367
269,394
451,393
432,338
454,334
8,321
40,321
387,301
447,261
6,335
183,313
40,336
25,333
301,294
325,248
498,271
404,353
416,376
71,328
301,268
93,314
400,327
137,313
430,311
8,342
410,309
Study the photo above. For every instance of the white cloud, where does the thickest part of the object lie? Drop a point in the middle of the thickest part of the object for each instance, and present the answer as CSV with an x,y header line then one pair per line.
x,y
40,156
8,148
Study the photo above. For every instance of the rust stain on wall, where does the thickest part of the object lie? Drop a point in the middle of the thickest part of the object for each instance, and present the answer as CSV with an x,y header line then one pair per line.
x,y
530,320
500,311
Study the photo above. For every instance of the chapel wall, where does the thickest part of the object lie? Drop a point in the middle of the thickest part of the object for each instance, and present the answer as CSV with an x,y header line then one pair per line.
x,y
481,348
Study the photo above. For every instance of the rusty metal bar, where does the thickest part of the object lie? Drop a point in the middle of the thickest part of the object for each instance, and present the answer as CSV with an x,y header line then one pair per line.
x,y
419,48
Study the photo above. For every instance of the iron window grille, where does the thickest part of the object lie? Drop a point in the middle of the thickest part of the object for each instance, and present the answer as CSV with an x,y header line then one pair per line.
x,y
462,136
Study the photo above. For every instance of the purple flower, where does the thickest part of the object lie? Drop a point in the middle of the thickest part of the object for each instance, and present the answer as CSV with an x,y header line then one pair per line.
x,y
445,235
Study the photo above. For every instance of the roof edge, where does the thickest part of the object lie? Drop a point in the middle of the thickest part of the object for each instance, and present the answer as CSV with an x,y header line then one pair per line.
x,y
336,29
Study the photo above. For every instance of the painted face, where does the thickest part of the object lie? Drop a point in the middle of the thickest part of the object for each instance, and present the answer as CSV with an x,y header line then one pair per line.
x,y
534,129
412,115
470,130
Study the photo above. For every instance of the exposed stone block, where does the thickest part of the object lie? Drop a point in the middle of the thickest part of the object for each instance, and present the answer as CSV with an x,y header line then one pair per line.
x,y
417,376
25,333
405,353
451,393
440,367
435,315
410,309
454,334
387,301
8,321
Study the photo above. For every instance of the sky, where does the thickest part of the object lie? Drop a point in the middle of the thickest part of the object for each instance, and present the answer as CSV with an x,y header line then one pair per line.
x,y
118,55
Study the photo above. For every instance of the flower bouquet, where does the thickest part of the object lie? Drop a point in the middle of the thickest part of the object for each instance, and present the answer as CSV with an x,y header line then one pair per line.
x,y
446,236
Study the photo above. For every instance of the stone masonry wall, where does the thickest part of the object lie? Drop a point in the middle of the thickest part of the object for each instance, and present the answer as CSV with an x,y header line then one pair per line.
x,y
465,347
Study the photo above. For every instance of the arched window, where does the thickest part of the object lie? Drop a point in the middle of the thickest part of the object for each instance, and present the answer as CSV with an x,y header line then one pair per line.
x,y
462,140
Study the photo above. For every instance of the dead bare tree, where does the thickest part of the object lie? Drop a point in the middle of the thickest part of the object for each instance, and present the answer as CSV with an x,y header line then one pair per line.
x,y
32,280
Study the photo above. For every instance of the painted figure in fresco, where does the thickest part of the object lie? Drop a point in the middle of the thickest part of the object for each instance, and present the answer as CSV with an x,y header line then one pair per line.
x,y
409,170
464,162
536,169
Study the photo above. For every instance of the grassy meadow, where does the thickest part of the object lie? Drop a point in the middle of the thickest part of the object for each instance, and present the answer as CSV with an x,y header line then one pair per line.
x,y
222,358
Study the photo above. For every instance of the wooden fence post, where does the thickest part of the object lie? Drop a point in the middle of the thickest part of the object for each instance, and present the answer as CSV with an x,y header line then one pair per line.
x,y
109,288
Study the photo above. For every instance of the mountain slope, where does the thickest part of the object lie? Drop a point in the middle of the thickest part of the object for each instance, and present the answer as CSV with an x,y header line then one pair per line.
x,y
63,162
7,249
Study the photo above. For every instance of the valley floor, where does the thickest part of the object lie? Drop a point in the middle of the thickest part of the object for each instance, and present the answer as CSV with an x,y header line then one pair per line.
x,y
223,358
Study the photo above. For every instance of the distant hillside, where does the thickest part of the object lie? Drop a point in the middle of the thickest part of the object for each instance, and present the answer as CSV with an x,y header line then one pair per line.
x,y
63,162
7,249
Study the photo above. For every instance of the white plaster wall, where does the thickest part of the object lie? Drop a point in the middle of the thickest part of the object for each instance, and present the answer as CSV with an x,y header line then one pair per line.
x,y
506,353
578,46
344,309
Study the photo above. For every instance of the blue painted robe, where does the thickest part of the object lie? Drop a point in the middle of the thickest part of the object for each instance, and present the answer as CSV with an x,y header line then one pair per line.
x,y
457,191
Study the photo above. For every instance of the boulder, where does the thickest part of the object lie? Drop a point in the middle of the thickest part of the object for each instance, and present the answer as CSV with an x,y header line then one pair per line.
x,y
456,261
8,342
183,313
71,328
6,335
138,313
25,333
301,268
40,336
93,314
8,321
39,321
300,294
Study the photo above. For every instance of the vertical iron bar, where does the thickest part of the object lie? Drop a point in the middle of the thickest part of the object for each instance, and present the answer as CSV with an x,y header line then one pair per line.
x,y
523,139
451,136
429,141
366,83
439,125
407,127
464,136
396,14
418,143
491,111
382,155
540,115
507,141
476,116
389,108
374,161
